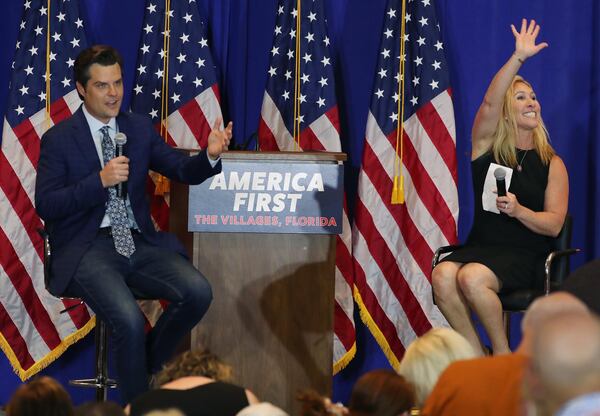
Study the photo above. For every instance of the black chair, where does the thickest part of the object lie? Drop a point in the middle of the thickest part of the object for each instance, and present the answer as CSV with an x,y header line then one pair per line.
x,y
556,269
101,382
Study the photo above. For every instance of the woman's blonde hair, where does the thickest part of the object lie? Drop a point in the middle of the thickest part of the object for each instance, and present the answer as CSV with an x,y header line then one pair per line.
x,y
195,363
429,355
505,136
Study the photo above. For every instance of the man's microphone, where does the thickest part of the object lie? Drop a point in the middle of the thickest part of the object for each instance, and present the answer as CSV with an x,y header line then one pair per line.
x,y
120,140
500,174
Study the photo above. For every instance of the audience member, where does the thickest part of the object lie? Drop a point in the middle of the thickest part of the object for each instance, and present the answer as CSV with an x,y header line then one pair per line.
x,y
585,284
42,396
262,409
313,404
563,376
381,393
429,355
99,409
197,383
492,385
167,412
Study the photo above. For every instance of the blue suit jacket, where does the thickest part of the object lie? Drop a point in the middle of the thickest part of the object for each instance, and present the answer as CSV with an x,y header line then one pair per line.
x,y
70,198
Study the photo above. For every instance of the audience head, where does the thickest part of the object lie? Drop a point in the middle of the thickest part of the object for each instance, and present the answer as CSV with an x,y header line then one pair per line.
x,y
381,393
195,363
565,360
584,283
99,409
261,409
42,396
545,309
429,355
166,412
313,404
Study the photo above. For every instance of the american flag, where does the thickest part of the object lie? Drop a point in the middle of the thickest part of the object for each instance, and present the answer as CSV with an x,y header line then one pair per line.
x,y
32,331
188,84
393,244
317,114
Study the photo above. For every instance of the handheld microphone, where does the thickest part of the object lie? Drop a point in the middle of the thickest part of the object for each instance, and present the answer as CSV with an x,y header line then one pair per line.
x,y
500,174
120,140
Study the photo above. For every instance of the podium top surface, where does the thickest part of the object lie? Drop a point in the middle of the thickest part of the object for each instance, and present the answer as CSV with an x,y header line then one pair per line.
x,y
300,156
279,156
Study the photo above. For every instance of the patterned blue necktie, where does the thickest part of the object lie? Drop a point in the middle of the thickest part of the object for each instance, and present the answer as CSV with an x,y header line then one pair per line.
x,y
115,207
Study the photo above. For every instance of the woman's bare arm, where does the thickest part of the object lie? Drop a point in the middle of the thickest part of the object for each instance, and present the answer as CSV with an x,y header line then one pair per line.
x,y
556,201
490,109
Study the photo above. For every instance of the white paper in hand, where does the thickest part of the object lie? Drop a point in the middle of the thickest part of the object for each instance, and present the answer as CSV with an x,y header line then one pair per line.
x,y
489,195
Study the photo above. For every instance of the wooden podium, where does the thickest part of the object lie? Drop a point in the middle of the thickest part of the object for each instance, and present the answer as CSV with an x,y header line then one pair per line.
x,y
272,314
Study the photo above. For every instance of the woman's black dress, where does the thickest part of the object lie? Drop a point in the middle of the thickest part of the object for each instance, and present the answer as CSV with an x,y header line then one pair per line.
x,y
513,252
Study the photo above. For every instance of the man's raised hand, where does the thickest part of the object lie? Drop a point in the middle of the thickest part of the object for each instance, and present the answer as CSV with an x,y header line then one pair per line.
x,y
218,139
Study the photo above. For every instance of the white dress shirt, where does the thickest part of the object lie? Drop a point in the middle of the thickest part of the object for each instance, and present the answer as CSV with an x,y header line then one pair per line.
x,y
95,128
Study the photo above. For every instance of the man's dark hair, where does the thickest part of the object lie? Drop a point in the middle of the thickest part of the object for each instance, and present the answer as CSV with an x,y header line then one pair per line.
x,y
98,54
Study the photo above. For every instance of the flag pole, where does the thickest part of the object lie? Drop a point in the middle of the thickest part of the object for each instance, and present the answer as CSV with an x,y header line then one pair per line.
x,y
47,117
296,129
398,187
162,183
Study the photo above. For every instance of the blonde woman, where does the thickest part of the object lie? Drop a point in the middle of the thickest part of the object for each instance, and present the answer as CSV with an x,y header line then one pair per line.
x,y
505,249
429,355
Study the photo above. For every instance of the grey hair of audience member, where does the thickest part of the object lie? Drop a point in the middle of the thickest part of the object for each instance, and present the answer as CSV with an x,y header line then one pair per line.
x,y
544,309
565,360
547,307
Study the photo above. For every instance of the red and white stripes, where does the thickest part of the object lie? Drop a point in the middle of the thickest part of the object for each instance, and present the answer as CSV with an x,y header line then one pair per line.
x,y
321,134
34,332
393,244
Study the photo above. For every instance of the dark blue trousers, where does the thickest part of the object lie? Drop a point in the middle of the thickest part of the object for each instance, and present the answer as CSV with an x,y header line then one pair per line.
x,y
107,281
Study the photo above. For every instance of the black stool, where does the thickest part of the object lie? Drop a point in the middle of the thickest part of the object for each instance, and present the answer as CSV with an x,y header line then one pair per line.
x,y
101,382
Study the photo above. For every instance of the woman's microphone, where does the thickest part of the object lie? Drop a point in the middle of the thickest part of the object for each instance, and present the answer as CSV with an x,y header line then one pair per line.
x,y
500,174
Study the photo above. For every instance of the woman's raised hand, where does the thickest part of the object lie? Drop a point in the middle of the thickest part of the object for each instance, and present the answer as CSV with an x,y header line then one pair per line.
x,y
525,40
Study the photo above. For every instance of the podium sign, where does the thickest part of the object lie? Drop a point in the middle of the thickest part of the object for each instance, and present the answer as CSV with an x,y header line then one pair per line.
x,y
258,196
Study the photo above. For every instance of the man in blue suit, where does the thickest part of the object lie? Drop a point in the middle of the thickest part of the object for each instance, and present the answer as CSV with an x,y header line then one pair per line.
x,y
104,245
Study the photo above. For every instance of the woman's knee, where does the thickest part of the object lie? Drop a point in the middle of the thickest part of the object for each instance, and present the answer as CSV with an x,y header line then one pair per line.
x,y
443,280
473,278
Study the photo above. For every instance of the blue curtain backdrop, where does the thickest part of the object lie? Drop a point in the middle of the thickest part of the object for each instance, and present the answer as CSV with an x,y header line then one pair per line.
x,y
477,41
